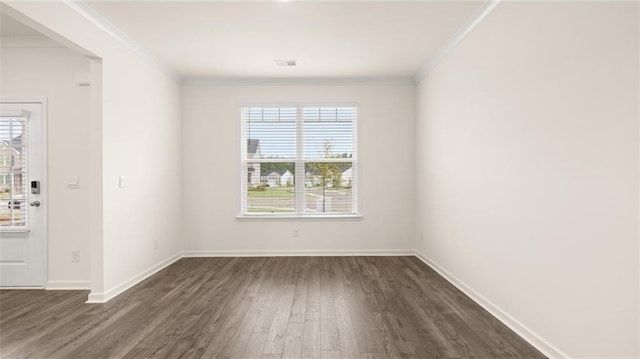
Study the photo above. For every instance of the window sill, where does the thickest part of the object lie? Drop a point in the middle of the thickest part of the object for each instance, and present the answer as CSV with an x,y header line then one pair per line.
x,y
290,217
16,230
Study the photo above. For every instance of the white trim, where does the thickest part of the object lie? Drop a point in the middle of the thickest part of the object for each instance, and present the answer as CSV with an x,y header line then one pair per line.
x,y
522,330
299,161
288,217
357,193
300,253
475,19
14,229
306,159
295,102
68,285
86,11
242,176
127,284
44,183
44,108
95,298
36,100
638,198
299,81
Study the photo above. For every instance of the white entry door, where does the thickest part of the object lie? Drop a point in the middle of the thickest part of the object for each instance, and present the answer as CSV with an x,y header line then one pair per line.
x,y
23,196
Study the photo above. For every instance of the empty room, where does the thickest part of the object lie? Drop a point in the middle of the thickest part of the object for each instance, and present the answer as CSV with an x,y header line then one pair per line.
x,y
319,179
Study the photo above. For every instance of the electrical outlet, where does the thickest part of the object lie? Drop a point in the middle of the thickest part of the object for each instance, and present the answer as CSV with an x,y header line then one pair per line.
x,y
296,233
156,244
75,256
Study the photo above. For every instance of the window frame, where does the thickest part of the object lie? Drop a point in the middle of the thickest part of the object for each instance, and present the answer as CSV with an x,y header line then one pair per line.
x,y
24,173
299,160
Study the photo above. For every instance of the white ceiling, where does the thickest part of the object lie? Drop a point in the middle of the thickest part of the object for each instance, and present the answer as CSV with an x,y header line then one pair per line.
x,y
328,39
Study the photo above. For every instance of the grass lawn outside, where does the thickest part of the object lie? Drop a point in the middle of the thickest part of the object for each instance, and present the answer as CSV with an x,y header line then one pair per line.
x,y
282,200
269,210
272,192
288,192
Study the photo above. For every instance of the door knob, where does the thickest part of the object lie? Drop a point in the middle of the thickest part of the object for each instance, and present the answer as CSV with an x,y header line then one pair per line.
x,y
35,204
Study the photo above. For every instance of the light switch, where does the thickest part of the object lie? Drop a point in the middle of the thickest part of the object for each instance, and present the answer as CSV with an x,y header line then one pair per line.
x,y
73,182
122,182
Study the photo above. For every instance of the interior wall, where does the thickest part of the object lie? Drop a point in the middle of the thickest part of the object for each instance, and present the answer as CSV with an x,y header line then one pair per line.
x,y
140,140
211,161
527,145
51,73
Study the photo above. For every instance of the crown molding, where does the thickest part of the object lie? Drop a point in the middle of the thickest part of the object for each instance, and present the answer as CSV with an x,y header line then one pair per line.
x,y
475,19
82,8
85,10
297,81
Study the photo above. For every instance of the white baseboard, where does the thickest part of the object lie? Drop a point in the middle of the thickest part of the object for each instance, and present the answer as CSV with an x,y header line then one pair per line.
x,y
68,285
525,333
95,298
302,253
113,292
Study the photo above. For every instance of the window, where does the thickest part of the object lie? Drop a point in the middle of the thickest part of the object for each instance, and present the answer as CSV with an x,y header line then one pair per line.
x,y
13,178
299,161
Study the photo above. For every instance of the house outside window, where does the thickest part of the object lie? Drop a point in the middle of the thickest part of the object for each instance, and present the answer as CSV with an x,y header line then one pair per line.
x,y
299,161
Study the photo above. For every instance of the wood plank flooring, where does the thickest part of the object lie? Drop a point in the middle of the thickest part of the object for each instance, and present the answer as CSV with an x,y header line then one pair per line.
x,y
278,307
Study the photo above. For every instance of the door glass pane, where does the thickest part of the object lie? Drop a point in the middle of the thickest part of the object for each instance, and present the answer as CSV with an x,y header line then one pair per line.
x,y
13,172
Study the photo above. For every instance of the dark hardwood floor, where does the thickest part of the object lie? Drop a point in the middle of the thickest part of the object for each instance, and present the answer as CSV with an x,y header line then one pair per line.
x,y
283,307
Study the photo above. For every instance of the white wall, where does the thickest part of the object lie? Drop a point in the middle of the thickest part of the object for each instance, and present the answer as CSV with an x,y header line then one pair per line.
x,y
528,170
50,73
211,172
527,167
141,140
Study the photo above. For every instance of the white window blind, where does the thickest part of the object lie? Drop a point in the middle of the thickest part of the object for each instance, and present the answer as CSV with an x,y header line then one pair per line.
x,y
299,160
13,173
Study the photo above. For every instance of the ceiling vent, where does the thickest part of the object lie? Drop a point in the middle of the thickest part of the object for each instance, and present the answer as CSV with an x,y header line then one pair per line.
x,y
285,63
